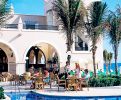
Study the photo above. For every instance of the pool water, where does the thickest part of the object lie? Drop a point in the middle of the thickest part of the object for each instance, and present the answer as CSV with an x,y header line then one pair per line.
x,y
36,96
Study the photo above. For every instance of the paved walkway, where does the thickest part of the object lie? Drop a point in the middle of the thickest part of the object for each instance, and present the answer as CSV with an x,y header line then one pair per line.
x,y
97,91
107,91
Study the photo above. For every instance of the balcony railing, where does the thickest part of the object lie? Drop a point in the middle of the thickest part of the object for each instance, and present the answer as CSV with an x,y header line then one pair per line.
x,y
10,26
40,27
30,27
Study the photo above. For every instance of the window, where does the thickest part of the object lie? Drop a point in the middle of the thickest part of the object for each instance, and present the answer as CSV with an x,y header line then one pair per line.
x,y
80,45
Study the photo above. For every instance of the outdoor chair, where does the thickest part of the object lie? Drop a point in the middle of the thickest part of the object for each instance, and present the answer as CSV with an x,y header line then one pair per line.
x,y
39,83
52,79
84,82
73,83
27,77
60,82
17,80
1,78
6,76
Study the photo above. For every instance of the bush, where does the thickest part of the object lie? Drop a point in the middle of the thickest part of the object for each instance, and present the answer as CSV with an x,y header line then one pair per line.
x,y
103,81
2,93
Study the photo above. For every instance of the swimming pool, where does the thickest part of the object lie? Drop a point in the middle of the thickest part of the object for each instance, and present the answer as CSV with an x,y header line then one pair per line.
x,y
36,96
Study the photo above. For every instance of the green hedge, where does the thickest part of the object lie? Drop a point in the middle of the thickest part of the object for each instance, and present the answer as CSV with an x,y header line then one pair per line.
x,y
103,81
2,93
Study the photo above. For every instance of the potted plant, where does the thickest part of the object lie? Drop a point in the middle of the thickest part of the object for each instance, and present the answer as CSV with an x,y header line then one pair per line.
x,y
2,96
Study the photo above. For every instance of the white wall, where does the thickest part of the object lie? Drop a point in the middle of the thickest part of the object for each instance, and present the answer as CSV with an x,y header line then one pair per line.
x,y
29,38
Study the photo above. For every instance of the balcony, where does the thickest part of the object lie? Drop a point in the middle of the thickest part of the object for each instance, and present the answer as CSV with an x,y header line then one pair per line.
x,y
30,27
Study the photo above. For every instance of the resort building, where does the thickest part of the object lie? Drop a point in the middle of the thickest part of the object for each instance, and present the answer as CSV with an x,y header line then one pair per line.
x,y
33,40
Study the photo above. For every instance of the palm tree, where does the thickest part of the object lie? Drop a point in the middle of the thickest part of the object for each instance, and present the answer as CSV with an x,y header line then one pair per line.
x,y
114,30
94,25
4,10
70,16
105,58
110,56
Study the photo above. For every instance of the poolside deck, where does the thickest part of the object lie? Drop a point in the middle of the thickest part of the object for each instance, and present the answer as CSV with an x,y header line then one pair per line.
x,y
96,91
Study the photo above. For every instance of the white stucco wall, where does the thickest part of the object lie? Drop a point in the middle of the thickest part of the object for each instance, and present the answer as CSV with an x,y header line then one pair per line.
x,y
29,38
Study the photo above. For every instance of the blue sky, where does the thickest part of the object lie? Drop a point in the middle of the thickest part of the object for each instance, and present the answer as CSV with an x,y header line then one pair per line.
x,y
36,7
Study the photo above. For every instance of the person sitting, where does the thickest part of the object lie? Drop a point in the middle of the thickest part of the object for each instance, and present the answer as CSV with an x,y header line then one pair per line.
x,y
46,77
86,78
36,74
86,74
31,70
55,69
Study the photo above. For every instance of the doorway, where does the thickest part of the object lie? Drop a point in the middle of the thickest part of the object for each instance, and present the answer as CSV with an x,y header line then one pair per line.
x,y
3,61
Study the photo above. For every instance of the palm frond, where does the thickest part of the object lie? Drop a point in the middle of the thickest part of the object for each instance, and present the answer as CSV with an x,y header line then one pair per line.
x,y
69,16
95,24
4,9
114,21
110,56
105,56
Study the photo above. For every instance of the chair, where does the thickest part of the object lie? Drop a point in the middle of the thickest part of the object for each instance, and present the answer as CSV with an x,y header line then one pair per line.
x,y
27,77
1,78
60,82
52,78
15,80
73,82
84,82
39,84
7,76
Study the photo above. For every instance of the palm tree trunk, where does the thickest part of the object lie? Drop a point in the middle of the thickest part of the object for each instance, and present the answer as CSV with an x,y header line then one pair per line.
x,y
116,65
93,56
107,68
69,45
68,49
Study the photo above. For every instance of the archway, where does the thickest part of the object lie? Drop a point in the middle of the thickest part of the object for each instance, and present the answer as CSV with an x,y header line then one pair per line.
x,y
42,55
7,58
36,58
3,61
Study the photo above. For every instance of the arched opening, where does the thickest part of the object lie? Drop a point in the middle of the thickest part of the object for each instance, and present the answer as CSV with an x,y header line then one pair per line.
x,y
42,55
7,59
36,58
3,61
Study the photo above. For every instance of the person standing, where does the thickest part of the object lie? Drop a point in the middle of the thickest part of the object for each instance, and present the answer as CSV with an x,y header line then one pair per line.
x,y
67,69
77,70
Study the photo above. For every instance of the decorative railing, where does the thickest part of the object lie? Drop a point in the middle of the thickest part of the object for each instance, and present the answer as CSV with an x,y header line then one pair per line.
x,y
40,27
30,27
10,26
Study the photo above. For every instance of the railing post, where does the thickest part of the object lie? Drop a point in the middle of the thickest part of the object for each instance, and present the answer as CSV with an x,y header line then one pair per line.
x,y
20,24
36,26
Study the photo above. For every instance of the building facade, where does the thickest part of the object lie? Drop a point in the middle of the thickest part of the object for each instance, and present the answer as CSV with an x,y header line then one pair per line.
x,y
32,40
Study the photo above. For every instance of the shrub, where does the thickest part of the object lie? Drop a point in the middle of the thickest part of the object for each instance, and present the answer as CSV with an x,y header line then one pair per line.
x,y
2,93
103,81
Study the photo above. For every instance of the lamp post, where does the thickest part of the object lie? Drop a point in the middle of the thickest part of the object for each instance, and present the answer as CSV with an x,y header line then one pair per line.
x,y
69,56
